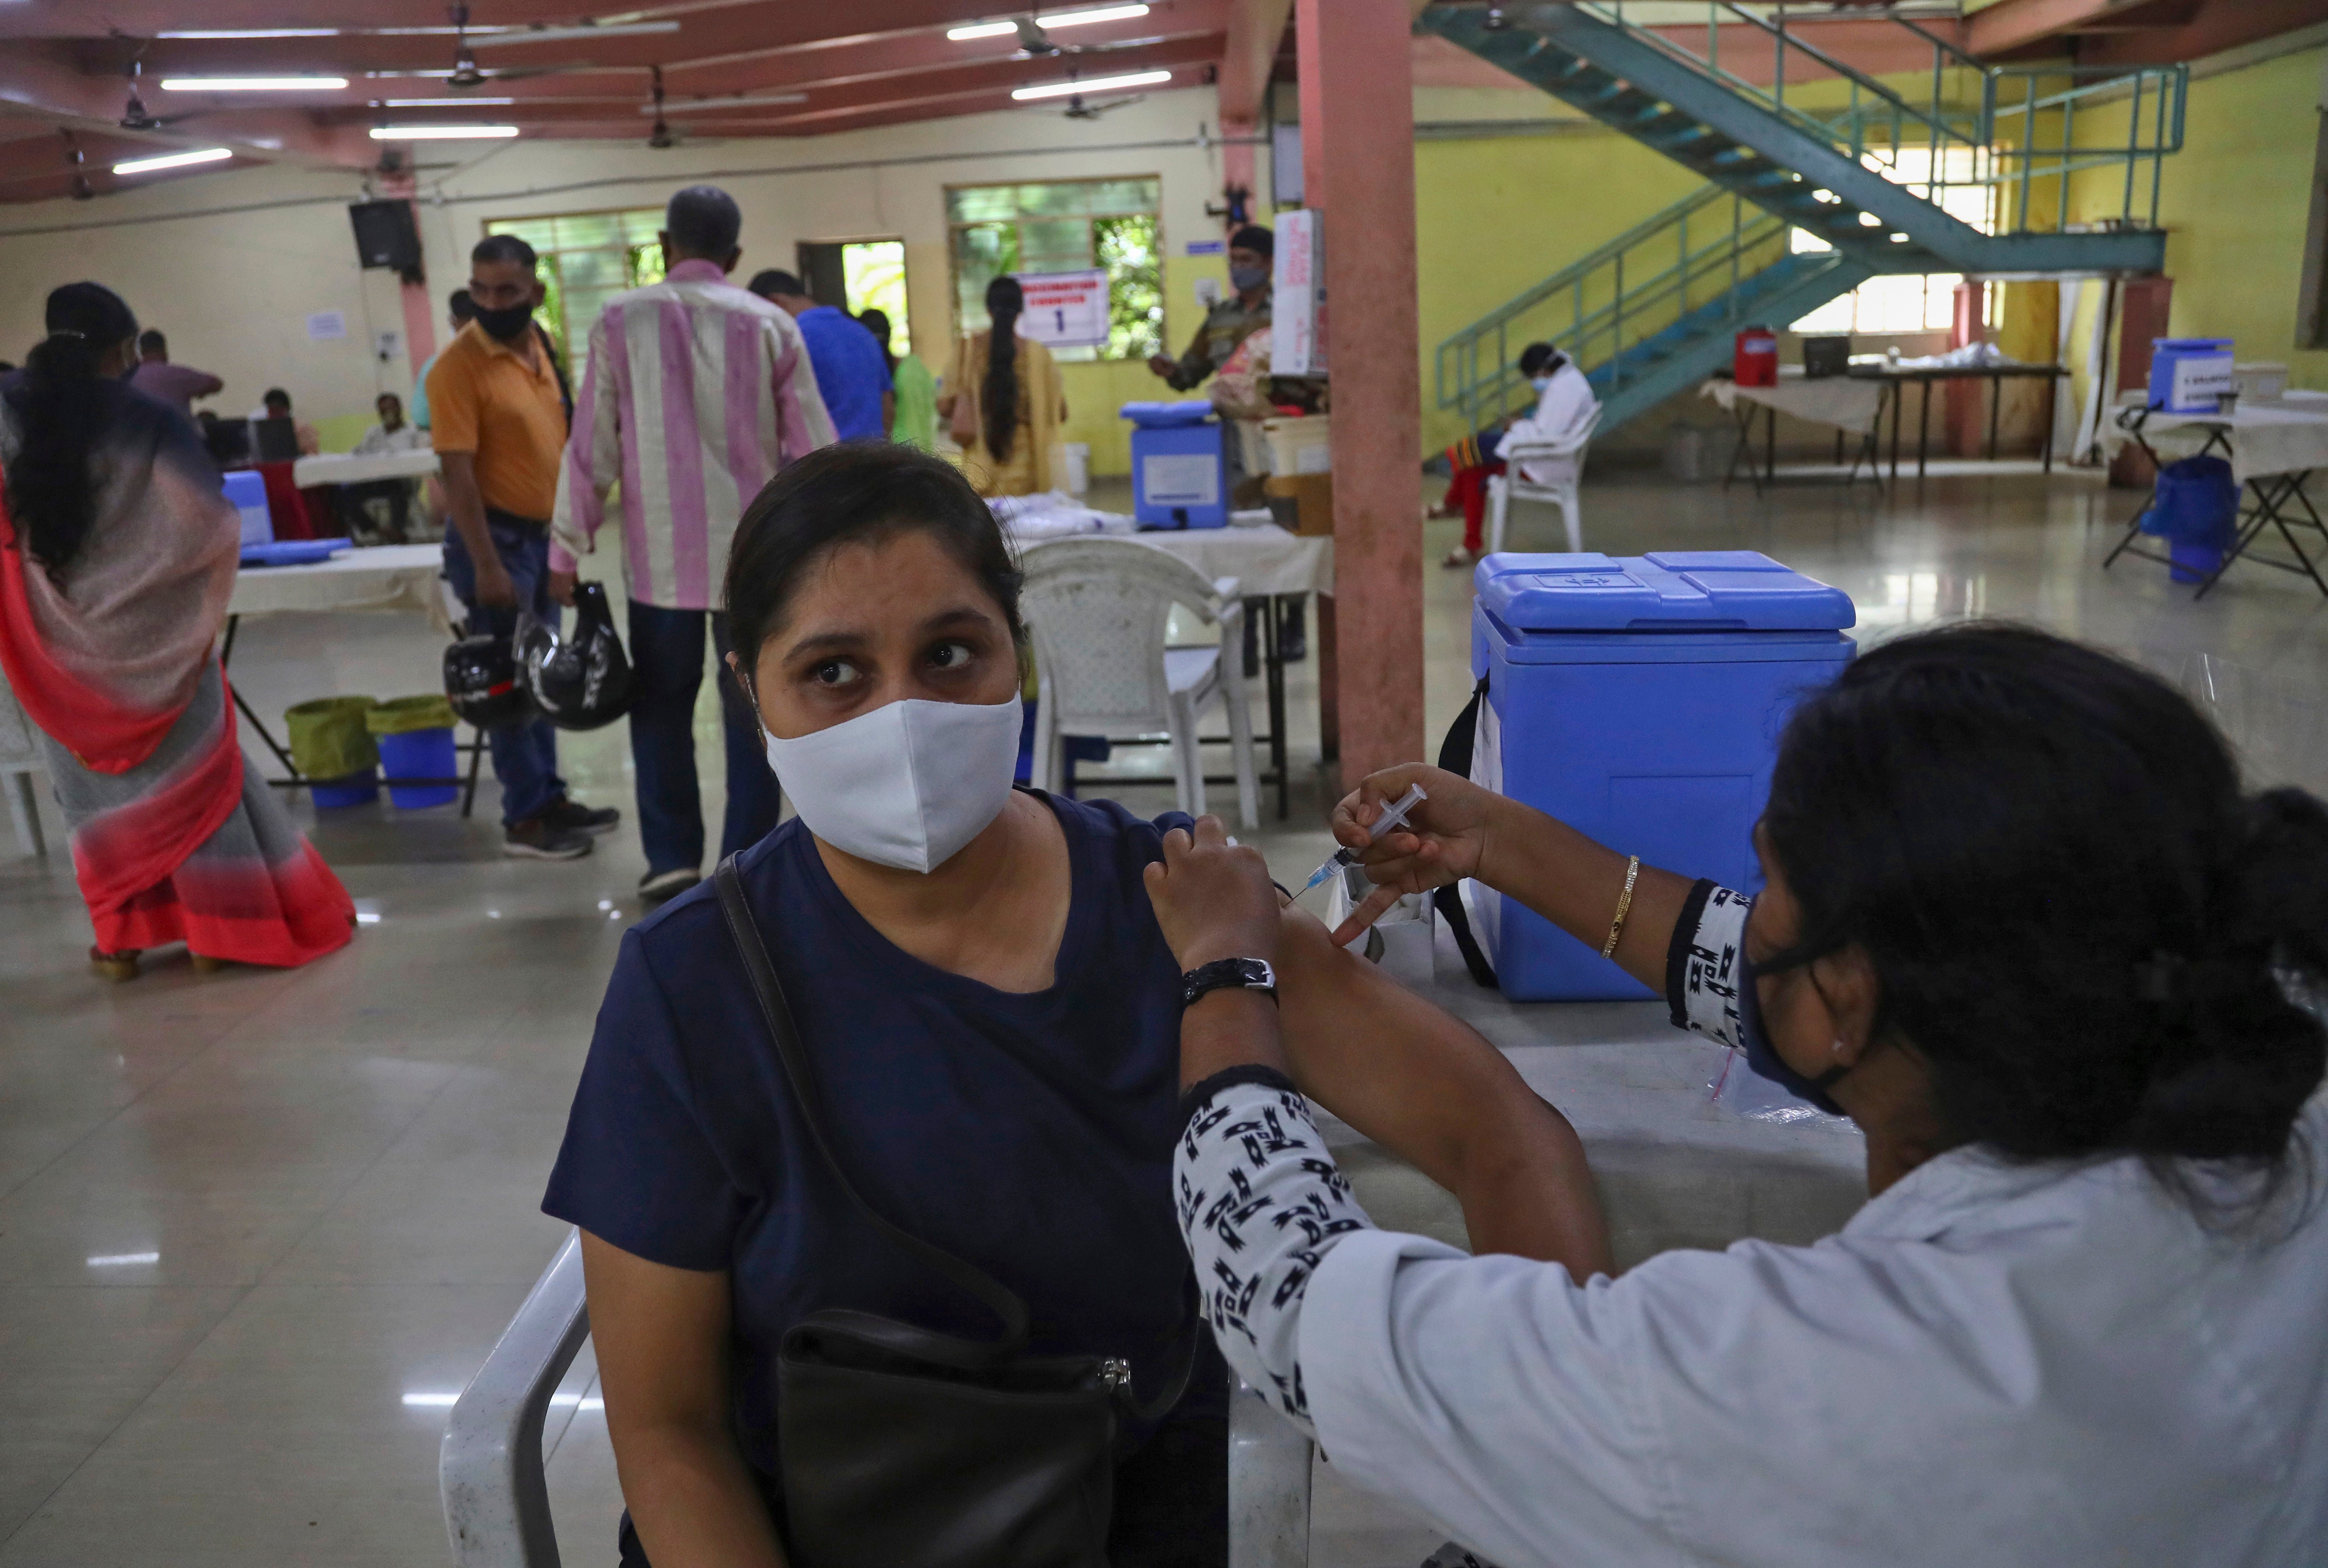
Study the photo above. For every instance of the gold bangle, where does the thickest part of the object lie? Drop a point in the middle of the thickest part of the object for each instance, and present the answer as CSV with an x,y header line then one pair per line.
x,y
1624,907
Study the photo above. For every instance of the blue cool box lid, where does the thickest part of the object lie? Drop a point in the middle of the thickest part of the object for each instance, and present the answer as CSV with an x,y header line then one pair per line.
x,y
1718,590
1164,415
293,552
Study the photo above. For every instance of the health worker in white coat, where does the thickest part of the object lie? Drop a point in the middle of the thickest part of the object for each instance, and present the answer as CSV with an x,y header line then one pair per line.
x,y
2022,926
1565,408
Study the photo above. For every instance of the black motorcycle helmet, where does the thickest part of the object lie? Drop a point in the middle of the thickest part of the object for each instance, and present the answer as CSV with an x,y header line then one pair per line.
x,y
482,682
581,681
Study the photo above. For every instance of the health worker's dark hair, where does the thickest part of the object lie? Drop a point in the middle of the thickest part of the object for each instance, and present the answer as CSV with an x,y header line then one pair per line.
x,y
857,491
62,409
998,395
1535,356
2097,943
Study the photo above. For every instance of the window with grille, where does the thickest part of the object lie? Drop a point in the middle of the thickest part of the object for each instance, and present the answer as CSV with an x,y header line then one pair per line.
x,y
586,259
1064,225
1911,302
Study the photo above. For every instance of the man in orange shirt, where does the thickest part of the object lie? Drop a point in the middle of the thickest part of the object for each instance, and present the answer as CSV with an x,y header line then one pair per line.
x,y
498,405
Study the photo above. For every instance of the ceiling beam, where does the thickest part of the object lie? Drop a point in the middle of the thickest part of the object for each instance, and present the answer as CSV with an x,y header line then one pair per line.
x,y
2218,25
1256,28
2015,24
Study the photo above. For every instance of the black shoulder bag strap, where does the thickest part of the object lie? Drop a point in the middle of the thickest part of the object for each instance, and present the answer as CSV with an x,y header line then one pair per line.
x,y
1455,756
998,1298
565,388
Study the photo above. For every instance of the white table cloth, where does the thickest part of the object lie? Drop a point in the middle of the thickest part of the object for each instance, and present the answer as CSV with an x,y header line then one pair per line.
x,y
2265,438
1846,403
1265,560
393,576
347,468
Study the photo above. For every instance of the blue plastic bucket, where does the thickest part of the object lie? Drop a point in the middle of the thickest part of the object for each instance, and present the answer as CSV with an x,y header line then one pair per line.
x,y
2194,563
357,789
419,754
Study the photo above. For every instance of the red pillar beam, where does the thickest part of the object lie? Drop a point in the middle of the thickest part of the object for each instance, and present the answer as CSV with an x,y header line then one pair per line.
x,y
1357,157
1255,29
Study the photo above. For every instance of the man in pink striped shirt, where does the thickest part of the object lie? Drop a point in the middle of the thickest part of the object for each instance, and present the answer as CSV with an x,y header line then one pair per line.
x,y
697,392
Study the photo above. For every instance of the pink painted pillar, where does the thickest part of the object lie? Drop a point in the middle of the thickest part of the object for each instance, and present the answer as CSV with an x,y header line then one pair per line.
x,y
1358,166
419,314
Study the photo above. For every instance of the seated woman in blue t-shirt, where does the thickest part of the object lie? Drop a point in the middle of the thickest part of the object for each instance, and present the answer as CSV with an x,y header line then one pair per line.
x,y
993,1018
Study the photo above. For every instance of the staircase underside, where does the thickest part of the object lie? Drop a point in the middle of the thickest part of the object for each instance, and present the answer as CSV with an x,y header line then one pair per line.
x,y
1789,167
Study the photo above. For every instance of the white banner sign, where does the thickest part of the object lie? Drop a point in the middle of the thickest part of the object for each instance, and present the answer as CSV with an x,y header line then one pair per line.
x,y
1298,308
1065,310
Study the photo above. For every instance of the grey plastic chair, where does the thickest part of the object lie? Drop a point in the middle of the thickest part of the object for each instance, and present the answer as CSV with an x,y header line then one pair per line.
x,y
497,1502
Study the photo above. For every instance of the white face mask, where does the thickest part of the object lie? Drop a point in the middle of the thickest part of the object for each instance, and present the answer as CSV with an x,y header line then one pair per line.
x,y
907,784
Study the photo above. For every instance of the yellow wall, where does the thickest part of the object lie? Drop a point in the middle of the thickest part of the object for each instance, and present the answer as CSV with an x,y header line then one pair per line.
x,y
1495,215
2234,203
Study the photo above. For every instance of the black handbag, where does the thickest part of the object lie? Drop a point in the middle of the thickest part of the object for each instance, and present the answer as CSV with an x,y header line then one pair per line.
x,y
905,1448
1455,756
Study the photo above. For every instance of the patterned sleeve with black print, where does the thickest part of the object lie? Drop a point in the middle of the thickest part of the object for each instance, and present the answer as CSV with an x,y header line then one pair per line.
x,y
1709,942
1261,1204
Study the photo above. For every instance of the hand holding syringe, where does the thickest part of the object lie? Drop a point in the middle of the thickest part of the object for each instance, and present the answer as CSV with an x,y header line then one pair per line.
x,y
1393,816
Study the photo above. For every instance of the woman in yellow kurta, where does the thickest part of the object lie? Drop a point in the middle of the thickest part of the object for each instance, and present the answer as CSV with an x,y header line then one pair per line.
x,y
1016,404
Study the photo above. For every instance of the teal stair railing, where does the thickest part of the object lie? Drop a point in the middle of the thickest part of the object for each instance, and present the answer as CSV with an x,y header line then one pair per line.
x,y
1819,175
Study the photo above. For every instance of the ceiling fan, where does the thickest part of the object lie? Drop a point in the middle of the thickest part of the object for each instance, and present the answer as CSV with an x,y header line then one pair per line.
x,y
1077,109
662,136
466,73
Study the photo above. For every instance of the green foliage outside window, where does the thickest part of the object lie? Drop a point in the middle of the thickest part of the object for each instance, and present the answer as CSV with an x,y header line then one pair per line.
x,y
586,259
1064,225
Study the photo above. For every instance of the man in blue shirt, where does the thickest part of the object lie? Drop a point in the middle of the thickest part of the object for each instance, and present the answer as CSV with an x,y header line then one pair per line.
x,y
851,372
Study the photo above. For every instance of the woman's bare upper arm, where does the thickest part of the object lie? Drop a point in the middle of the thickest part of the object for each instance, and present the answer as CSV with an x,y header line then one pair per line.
x,y
661,1335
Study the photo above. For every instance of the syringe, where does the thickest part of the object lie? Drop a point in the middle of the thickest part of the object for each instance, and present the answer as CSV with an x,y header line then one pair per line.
x,y
1393,816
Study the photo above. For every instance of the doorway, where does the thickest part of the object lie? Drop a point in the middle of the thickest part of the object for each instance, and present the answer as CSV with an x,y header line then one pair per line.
x,y
858,276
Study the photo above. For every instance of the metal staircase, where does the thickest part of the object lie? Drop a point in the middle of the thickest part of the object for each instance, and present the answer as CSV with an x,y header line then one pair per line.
x,y
1876,177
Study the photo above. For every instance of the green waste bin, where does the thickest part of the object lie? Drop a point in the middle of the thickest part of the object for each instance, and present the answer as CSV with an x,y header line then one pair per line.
x,y
404,715
329,737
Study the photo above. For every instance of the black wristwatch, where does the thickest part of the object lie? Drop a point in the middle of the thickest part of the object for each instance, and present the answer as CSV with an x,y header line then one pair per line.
x,y
1222,973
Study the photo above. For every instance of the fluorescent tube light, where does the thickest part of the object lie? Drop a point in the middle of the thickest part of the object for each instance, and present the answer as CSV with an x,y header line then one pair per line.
x,y
253,83
252,32
173,161
1053,19
440,133
1096,84
441,102
116,1260
739,100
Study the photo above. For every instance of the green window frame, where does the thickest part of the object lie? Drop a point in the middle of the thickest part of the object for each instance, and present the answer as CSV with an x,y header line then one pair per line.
x,y
1064,225
586,259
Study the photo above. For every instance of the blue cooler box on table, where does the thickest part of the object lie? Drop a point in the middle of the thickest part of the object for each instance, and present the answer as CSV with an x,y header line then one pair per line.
x,y
2189,375
245,491
1640,700
1177,480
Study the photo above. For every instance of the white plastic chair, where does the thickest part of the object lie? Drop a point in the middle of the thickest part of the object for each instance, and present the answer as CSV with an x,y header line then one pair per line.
x,y
1098,608
21,762
1504,488
497,1502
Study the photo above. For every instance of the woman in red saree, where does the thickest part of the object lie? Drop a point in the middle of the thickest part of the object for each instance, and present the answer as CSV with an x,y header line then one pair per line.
x,y
117,555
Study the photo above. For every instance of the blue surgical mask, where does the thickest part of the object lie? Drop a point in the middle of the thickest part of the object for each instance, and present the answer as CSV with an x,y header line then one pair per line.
x,y
1764,1058
1248,278
1539,382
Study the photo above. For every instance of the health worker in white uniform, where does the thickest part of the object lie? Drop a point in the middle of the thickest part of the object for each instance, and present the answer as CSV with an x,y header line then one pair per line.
x,y
2023,925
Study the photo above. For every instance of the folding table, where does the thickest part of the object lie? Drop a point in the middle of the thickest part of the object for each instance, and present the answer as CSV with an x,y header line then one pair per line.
x,y
406,577
1853,407
2272,447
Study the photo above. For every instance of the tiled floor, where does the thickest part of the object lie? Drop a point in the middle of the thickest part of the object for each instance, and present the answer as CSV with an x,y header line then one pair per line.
x,y
256,1229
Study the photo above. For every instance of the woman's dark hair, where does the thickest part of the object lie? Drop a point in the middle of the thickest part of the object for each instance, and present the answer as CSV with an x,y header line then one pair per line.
x,y
61,408
876,321
999,396
1535,356
857,491
2097,943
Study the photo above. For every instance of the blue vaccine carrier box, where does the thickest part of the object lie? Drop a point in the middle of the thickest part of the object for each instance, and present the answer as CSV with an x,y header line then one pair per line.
x,y
245,491
1640,700
1178,476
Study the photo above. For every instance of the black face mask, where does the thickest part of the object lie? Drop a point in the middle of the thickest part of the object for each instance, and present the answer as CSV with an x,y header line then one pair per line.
x,y
1764,1058
508,324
